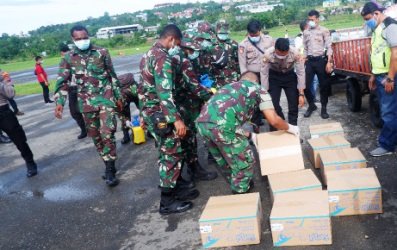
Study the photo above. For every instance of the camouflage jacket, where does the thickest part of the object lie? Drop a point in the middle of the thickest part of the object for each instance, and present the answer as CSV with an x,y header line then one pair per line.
x,y
204,62
94,75
156,86
128,87
187,86
226,68
234,104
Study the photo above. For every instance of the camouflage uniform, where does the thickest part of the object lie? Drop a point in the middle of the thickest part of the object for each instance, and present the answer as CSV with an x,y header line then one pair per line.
x,y
155,92
189,96
204,62
226,68
98,93
129,92
220,124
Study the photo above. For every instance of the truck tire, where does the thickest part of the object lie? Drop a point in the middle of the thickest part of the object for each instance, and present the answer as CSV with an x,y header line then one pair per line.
x,y
353,94
374,110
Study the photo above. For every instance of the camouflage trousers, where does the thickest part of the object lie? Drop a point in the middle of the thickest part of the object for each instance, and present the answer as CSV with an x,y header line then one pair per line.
x,y
101,126
170,155
232,152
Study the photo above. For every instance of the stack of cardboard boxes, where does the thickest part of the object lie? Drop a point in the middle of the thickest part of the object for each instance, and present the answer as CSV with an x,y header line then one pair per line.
x,y
301,209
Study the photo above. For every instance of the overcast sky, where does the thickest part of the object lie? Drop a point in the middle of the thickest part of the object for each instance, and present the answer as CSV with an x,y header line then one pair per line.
x,y
26,15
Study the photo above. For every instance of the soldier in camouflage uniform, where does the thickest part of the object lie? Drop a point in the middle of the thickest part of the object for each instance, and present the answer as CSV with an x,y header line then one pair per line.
x,y
226,68
163,120
189,97
128,87
98,94
206,38
220,124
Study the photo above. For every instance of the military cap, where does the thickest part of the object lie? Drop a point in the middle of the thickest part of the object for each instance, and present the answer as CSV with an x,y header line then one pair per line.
x,y
190,44
204,27
222,27
203,35
189,34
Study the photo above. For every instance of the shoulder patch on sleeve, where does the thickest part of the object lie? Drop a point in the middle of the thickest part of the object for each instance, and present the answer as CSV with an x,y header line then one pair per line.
x,y
241,49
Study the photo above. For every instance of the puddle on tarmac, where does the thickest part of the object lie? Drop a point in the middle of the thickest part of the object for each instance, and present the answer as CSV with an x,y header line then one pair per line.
x,y
59,193
66,193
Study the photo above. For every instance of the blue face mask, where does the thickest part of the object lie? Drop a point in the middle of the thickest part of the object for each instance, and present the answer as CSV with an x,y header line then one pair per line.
x,y
205,44
254,39
371,23
223,37
194,55
174,51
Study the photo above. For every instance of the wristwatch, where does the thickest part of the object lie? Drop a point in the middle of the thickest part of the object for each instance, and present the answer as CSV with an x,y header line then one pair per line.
x,y
302,95
388,79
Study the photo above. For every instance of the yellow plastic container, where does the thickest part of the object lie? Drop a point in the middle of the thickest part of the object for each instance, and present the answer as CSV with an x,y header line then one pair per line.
x,y
139,135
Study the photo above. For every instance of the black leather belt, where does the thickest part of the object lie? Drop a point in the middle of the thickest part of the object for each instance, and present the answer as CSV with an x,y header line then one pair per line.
x,y
315,58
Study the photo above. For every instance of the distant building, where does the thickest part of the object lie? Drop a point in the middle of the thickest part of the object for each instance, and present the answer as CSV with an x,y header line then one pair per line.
x,y
188,13
142,16
152,29
163,5
331,3
258,7
107,32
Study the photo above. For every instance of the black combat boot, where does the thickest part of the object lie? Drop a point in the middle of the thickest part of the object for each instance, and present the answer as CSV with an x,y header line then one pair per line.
x,y
185,190
310,110
200,173
110,174
31,169
170,205
113,168
83,133
324,113
182,183
126,138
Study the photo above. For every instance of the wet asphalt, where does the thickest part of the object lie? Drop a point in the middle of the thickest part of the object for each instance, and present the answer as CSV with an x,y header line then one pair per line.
x,y
68,206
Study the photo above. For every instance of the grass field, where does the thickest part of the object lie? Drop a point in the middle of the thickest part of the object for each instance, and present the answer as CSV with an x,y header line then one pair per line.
x,y
31,88
51,61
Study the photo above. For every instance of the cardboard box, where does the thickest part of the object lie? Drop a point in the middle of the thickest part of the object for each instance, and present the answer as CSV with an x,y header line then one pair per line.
x,y
325,143
354,191
279,152
340,159
327,129
300,180
301,218
233,220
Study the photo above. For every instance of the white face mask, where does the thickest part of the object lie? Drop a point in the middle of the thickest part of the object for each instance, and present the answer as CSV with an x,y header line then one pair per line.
x,y
281,57
82,44
194,55
312,24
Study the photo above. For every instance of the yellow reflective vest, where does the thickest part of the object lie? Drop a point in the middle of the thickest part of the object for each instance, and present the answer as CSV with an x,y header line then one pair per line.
x,y
380,52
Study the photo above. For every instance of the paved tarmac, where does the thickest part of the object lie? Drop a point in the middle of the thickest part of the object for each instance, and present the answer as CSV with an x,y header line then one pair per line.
x,y
68,206
122,65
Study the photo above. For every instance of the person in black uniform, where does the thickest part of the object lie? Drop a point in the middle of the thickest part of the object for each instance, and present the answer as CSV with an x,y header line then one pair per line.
x,y
10,125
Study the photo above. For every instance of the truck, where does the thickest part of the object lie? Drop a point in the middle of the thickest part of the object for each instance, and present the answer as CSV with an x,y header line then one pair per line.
x,y
351,60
